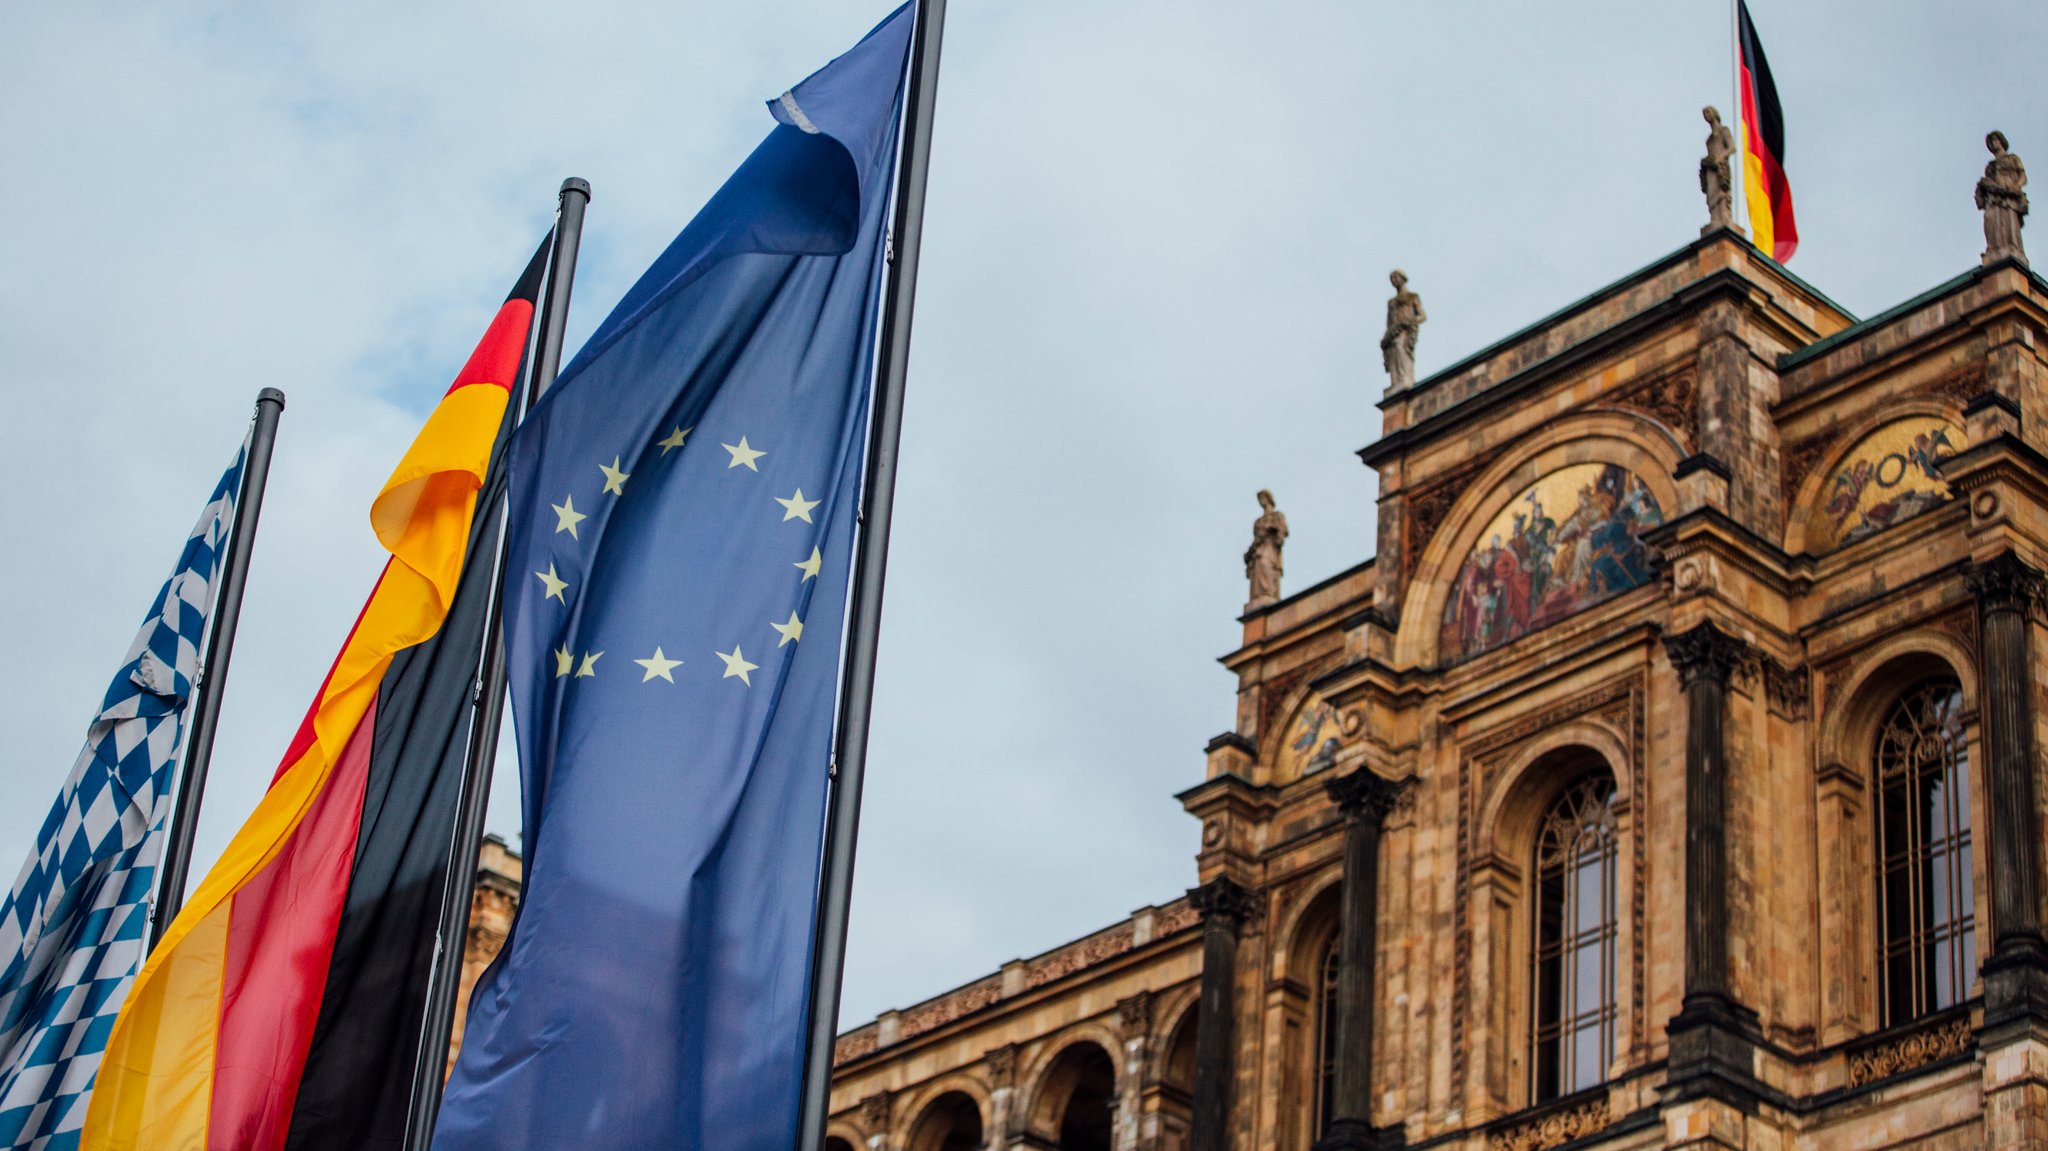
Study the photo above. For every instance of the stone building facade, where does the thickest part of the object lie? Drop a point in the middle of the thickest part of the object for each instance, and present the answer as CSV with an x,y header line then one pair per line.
x,y
1670,778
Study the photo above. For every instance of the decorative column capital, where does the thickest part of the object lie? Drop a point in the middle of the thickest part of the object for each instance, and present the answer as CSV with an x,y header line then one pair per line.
x,y
1365,794
2006,583
1222,898
1705,652
1134,1015
1002,1066
874,1113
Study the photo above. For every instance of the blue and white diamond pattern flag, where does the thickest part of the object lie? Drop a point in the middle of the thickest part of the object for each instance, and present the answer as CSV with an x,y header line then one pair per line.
x,y
73,930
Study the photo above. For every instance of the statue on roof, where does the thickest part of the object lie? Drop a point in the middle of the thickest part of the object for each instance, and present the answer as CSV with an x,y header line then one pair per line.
x,y
2002,195
1262,559
1405,318
1716,180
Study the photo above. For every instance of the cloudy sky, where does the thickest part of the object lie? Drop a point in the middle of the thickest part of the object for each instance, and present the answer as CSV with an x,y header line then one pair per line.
x,y
1155,268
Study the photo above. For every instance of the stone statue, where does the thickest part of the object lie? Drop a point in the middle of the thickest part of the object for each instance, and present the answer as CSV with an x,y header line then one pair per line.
x,y
1715,179
1262,559
2003,197
1405,318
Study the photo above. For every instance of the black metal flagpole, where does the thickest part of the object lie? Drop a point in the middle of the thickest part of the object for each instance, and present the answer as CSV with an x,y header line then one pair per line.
x,y
213,672
444,979
857,690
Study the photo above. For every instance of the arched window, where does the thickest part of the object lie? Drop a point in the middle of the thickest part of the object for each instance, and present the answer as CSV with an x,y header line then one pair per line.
x,y
1926,901
1326,1035
1573,972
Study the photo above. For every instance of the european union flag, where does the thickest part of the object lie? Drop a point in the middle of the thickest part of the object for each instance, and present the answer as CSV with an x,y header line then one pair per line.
x,y
682,518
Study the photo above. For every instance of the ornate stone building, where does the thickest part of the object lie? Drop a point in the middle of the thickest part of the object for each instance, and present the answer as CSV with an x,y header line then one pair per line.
x,y
1671,778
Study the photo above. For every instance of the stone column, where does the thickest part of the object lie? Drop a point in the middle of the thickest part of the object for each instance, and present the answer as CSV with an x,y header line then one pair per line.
x,y
1710,1048
1364,798
1223,905
2007,590
2013,1041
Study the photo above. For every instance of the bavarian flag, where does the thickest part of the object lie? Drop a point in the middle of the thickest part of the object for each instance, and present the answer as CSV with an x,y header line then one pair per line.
x,y
283,1007
1764,187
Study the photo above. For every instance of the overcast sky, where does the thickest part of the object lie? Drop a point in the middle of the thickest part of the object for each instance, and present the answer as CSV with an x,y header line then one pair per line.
x,y
1154,279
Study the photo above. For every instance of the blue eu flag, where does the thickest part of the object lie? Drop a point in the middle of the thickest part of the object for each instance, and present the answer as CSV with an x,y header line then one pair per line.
x,y
682,520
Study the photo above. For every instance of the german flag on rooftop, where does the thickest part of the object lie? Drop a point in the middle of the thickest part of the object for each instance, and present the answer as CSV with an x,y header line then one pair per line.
x,y
282,1011
1765,189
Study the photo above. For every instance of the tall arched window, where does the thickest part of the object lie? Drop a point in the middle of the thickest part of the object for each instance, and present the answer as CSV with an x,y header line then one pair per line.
x,y
1326,1035
1926,900
1573,970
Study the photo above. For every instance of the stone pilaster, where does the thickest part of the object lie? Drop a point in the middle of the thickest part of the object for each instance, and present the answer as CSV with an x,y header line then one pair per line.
x,y
1710,1045
1134,1026
1223,905
1001,1065
874,1119
1364,798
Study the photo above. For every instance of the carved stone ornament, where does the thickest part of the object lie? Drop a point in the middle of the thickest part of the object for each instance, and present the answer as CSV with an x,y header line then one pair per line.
x,y
1262,559
1552,1130
1715,178
1705,651
1787,689
2006,583
1908,1052
855,1044
1224,897
1405,318
1364,794
1002,1066
1134,1015
2002,195
874,1112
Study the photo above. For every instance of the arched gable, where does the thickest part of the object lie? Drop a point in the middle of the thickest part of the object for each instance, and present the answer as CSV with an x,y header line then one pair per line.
x,y
1641,448
1885,472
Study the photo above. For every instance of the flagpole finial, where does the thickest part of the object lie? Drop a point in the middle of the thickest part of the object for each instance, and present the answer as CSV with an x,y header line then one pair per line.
x,y
576,184
270,396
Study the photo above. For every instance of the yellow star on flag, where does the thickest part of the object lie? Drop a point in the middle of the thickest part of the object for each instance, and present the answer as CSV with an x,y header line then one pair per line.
x,y
796,507
793,630
810,566
567,517
658,666
737,665
674,440
554,583
589,667
743,455
614,479
564,661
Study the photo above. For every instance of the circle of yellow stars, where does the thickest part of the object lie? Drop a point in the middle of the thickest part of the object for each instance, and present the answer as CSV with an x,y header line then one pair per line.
x,y
570,664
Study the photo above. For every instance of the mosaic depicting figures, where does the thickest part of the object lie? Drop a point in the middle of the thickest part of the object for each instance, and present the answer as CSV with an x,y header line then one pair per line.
x,y
1572,539
1890,475
1310,742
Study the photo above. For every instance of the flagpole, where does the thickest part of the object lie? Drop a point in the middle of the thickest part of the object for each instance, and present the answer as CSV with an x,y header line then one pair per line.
x,y
1739,172
445,977
849,760
213,671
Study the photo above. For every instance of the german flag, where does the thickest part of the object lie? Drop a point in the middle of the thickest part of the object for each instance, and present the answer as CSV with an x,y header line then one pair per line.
x,y
283,1009
1765,189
